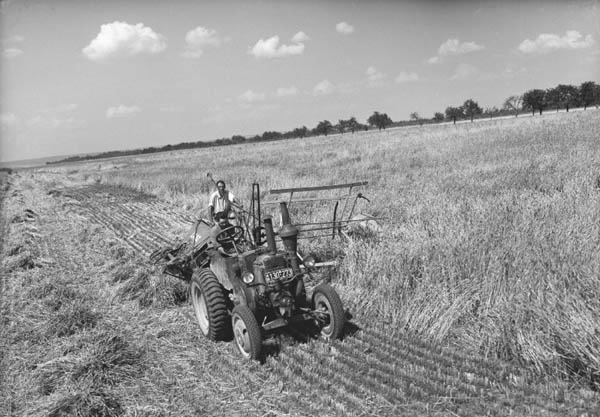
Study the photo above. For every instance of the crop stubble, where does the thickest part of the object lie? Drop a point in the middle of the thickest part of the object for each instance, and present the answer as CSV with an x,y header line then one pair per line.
x,y
372,371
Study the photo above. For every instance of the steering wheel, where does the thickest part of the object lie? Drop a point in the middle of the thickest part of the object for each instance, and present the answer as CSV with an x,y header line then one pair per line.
x,y
230,234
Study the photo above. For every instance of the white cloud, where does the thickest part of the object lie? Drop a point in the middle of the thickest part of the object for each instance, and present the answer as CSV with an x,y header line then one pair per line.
x,y
122,111
251,97
287,91
8,120
464,71
10,53
324,87
16,39
270,48
121,38
13,39
344,28
300,37
374,76
454,47
406,77
197,39
66,122
55,118
548,42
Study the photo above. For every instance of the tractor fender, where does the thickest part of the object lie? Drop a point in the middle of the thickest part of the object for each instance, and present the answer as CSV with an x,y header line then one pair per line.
x,y
245,295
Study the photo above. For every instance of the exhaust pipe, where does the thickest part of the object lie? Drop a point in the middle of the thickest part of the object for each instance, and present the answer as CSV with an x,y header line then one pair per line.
x,y
289,236
268,221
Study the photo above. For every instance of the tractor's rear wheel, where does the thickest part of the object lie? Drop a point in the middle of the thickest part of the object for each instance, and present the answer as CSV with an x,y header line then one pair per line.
x,y
326,302
246,332
210,305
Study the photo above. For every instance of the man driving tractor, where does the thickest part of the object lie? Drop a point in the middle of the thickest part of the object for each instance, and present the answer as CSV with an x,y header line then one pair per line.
x,y
221,201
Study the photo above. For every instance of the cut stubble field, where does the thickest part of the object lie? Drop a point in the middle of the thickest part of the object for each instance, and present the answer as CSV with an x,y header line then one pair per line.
x,y
479,297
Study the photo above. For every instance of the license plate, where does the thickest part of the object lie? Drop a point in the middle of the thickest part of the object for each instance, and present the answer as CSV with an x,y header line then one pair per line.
x,y
279,274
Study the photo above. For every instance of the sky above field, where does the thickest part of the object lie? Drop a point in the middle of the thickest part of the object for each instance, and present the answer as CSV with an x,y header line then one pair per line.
x,y
89,76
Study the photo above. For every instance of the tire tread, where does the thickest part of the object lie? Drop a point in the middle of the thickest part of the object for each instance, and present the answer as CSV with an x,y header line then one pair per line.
x,y
216,304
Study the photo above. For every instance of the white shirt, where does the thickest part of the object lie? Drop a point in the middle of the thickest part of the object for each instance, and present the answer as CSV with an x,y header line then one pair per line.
x,y
221,203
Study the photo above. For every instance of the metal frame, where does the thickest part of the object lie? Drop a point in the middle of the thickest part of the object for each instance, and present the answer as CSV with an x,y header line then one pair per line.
x,y
341,218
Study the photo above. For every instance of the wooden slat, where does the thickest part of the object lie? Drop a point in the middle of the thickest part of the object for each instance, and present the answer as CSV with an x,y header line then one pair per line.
x,y
305,200
338,222
318,188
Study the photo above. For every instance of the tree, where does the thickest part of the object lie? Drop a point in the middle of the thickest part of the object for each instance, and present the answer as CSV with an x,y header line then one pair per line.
x,y
300,132
491,111
513,103
471,108
270,135
587,93
323,127
553,98
385,121
438,117
569,95
353,125
373,119
534,100
417,118
237,139
381,120
453,113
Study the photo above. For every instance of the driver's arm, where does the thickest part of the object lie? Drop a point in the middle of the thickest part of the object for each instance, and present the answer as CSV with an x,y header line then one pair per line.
x,y
213,236
211,207
233,199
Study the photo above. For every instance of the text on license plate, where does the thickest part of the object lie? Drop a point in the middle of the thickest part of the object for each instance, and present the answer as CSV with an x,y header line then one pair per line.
x,y
279,274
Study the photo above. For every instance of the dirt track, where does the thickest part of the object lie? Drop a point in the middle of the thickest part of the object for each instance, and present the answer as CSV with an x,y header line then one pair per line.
x,y
373,371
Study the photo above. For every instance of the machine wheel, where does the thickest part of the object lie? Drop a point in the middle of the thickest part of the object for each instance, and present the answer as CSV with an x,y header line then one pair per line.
x,y
246,332
210,305
326,300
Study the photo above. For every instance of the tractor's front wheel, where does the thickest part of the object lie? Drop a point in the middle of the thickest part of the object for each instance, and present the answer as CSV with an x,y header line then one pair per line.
x,y
246,332
210,305
327,304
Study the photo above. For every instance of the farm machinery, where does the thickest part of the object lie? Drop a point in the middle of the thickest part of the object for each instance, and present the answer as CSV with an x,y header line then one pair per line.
x,y
243,284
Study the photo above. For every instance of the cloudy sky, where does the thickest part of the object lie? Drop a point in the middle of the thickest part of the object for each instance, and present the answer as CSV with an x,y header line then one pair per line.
x,y
87,76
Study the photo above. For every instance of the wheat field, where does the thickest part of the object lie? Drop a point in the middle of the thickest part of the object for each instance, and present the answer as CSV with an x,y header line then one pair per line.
x,y
488,264
492,229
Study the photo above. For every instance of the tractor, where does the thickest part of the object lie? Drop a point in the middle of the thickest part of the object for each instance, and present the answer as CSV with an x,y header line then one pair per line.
x,y
254,287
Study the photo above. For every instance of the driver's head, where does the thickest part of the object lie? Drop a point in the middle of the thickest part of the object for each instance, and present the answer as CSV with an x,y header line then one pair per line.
x,y
222,220
221,187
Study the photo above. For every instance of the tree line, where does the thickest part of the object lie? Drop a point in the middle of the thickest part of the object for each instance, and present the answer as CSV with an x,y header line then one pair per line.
x,y
536,100
563,96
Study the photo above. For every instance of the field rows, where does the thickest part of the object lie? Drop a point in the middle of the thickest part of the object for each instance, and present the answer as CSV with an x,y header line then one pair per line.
x,y
142,221
371,371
